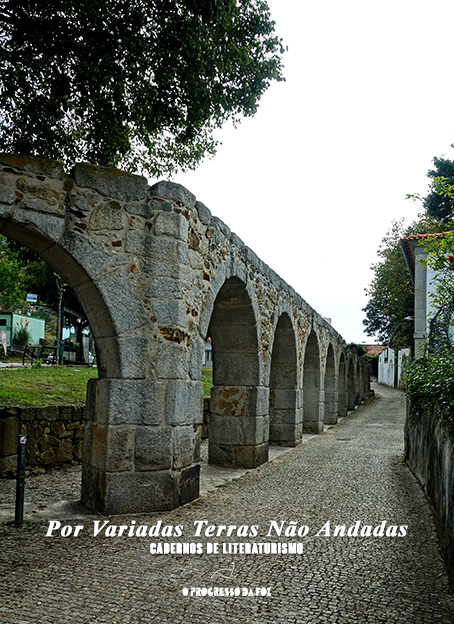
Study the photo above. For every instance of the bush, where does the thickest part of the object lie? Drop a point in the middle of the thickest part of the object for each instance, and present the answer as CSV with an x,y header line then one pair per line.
x,y
22,335
430,386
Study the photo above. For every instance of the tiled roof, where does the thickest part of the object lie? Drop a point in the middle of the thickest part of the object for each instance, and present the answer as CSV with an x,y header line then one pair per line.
x,y
405,244
373,349
424,236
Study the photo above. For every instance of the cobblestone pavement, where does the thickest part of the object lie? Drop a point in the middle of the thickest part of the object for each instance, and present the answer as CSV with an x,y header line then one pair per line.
x,y
351,475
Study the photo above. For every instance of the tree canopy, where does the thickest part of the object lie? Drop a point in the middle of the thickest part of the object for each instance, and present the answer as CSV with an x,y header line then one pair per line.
x,y
140,84
438,204
391,294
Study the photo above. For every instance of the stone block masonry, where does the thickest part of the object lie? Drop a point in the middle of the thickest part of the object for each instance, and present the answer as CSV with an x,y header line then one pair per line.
x,y
54,436
429,452
157,274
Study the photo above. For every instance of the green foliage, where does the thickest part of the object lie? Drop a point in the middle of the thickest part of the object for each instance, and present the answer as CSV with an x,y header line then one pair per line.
x,y
22,335
140,84
430,385
439,203
28,273
391,294
12,290
440,259
359,349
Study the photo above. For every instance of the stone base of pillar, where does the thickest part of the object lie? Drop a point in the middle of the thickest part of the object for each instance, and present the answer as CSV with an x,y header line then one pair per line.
x,y
238,456
285,435
313,427
139,492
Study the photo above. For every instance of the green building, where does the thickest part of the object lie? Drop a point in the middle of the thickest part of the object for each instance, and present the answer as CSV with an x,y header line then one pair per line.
x,y
11,322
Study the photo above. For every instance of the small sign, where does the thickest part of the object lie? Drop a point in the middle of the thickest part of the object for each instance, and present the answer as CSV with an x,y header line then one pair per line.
x,y
32,298
4,337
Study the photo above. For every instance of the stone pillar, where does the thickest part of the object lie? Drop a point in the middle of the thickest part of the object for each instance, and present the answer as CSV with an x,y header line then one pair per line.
x,y
239,426
420,322
285,429
141,444
331,403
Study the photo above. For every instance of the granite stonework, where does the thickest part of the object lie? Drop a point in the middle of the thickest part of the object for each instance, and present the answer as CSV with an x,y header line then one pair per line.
x,y
157,274
54,436
429,452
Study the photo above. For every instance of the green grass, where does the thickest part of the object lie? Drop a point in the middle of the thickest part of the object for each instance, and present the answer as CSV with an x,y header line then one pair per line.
x,y
207,378
59,385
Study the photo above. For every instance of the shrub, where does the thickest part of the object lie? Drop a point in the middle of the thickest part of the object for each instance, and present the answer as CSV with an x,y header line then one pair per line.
x,y
430,385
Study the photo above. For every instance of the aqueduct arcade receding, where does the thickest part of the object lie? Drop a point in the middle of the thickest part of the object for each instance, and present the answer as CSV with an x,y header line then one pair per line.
x,y
157,274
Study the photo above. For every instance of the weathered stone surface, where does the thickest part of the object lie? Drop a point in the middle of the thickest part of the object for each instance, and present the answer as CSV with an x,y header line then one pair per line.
x,y
171,224
126,311
8,466
35,216
7,196
196,354
224,430
184,402
251,431
228,401
173,192
137,492
107,216
133,357
9,435
64,452
129,401
92,258
119,185
172,361
184,442
170,312
34,165
203,212
153,448
120,448
164,288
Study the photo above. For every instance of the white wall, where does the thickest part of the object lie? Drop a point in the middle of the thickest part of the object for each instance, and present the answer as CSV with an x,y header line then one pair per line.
x,y
386,368
387,362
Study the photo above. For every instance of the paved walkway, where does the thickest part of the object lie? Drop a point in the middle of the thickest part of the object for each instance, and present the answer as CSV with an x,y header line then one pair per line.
x,y
351,475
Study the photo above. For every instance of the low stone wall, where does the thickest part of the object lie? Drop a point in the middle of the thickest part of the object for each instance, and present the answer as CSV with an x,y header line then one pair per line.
x,y
429,454
54,436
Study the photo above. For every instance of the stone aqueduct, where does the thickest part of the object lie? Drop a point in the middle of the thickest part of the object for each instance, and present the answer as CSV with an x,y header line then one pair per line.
x,y
156,274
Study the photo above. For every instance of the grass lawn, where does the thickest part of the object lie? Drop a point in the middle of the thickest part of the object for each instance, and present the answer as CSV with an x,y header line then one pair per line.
x,y
57,385
207,378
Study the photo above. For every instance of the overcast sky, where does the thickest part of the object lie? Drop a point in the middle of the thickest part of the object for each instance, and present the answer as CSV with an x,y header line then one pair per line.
x,y
313,181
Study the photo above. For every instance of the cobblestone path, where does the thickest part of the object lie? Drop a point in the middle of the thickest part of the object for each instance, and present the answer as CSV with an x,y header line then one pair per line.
x,y
351,475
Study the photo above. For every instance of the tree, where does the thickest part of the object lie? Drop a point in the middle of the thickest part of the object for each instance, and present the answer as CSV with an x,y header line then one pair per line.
x,y
390,308
438,204
22,272
140,84
12,290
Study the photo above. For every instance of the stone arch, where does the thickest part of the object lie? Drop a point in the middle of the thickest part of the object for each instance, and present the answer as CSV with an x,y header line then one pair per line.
x,y
112,409
143,412
237,418
312,417
285,426
153,268
351,385
341,385
330,388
